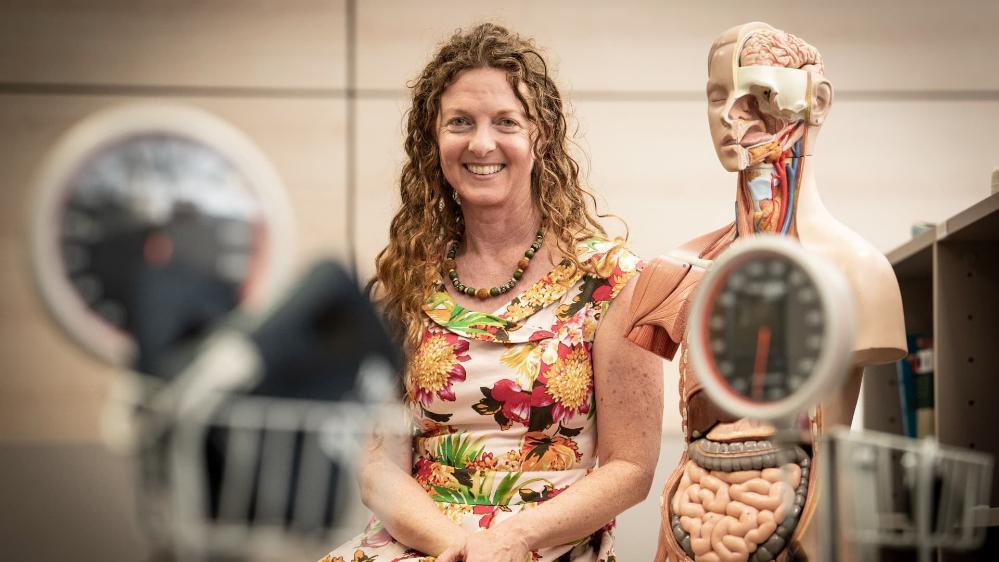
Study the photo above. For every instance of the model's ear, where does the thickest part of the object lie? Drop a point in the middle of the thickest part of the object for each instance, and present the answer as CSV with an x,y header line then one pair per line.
x,y
822,97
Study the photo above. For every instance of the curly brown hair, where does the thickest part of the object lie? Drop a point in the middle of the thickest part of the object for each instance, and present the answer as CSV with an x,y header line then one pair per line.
x,y
428,218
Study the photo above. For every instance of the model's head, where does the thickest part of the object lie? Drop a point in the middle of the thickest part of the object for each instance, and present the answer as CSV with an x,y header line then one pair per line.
x,y
764,86
486,124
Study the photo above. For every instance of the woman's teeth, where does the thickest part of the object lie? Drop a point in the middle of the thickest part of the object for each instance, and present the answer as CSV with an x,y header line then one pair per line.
x,y
481,170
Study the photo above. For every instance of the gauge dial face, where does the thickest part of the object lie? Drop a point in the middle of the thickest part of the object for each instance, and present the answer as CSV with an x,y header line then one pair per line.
x,y
765,329
151,222
151,203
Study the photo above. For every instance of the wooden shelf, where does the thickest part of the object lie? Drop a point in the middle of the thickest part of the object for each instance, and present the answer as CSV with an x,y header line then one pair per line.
x,y
978,222
915,254
949,281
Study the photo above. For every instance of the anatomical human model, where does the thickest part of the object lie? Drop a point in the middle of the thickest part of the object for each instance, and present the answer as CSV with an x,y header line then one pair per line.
x,y
734,496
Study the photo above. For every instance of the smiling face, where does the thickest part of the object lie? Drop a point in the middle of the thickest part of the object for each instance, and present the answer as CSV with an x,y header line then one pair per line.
x,y
485,140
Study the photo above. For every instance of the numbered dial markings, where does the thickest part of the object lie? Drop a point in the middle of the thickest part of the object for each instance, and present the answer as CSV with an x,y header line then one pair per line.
x,y
152,204
765,329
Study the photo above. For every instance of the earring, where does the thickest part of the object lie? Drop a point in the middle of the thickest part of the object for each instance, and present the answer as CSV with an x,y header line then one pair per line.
x,y
454,195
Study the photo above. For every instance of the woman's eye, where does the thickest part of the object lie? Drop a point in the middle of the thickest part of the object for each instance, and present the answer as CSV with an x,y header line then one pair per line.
x,y
508,123
458,122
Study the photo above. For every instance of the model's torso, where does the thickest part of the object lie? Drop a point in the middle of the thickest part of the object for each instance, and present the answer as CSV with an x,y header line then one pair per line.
x,y
734,496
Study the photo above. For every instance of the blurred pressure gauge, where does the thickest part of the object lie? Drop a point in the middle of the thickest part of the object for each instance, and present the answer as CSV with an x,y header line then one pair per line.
x,y
771,329
140,189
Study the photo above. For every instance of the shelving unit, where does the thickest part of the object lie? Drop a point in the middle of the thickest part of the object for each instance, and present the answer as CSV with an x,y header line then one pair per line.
x,y
949,280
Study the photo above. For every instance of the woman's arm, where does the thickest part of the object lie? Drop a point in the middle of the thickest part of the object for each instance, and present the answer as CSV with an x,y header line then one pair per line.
x,y
393,495
399,502
628,383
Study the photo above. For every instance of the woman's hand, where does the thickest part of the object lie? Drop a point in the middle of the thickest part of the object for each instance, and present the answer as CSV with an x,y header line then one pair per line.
x,y
493,545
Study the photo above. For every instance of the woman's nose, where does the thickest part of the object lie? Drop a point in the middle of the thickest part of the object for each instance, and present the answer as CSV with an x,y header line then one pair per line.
x,y
482,142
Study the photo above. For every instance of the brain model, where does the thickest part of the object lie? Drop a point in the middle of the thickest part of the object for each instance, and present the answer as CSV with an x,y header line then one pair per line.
x,y
772,47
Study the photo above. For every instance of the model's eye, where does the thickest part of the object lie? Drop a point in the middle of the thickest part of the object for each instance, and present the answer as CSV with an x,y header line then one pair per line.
x,y
717,95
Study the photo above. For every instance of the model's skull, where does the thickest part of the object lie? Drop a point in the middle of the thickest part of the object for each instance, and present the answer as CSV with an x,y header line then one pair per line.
x,y
782,93
762,89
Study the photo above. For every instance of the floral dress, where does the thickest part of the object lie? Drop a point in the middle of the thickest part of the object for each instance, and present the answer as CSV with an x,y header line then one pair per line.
x,y
504,404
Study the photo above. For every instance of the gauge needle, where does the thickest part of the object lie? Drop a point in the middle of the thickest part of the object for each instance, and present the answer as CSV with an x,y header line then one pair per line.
x,y
760,366
158,249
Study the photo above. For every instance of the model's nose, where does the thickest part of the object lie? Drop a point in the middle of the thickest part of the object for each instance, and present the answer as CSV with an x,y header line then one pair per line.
x,y
742,109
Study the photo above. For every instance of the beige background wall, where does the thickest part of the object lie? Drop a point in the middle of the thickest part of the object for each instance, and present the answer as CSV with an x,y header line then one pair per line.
x,y
912,135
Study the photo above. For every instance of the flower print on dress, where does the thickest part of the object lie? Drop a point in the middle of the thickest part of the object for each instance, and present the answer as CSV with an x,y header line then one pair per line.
x,y
568,382
524,359
436,366
432,475
448,314
546,452
520,428
413,555
570,331
507,402
603,258
375,535
546,291
454,511
592,290
359,556
488,513
609,267
517,310
542,294
457,449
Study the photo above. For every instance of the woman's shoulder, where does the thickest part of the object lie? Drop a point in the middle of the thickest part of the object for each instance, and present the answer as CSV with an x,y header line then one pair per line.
x,y
608,259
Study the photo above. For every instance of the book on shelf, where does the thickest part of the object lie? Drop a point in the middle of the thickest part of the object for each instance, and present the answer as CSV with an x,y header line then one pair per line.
x,y
915,387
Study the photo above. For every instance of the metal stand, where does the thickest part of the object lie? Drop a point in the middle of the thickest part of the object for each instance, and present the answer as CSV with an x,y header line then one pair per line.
x,y
882,490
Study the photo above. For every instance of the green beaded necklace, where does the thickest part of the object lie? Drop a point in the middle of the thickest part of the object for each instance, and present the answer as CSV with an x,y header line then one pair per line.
x,y
450,266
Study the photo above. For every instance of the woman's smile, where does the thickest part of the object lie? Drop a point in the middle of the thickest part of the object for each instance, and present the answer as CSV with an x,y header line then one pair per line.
x,y
485,170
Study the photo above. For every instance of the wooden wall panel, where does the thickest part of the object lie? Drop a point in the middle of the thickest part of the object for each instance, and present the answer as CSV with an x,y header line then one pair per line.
x,y
652,163
48,388
880,166
379,162
653,46
294,44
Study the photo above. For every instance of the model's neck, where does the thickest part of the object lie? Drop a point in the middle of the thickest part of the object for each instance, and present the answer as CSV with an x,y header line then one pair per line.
x,y
809,207
771,202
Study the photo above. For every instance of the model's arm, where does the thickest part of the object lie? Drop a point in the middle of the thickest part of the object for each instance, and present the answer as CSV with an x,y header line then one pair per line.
x,y
399,502
628,383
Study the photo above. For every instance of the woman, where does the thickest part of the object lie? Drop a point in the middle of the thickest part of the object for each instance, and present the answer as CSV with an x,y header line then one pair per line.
x,y
502,464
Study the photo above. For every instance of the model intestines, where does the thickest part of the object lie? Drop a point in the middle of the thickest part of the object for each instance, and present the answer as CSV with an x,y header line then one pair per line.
x,y
734,506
